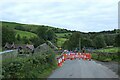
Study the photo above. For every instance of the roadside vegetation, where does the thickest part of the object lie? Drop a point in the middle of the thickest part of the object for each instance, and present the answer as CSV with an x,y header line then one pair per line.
x,y
37,66
109,54
106,55
108,50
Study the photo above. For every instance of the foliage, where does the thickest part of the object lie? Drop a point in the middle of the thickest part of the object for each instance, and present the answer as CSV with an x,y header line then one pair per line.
x,y
64,35
117,40
107,54
18,37
46,34
60,41
50,34
86,42
37,41
104,57
20,28
99,42
58,30
90,39
73,41
109,39
26,40
41,32
108,50
25,33
8,35
35,66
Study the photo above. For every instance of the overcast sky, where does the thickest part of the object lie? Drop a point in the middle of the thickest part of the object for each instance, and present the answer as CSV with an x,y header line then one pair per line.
x,y
80,15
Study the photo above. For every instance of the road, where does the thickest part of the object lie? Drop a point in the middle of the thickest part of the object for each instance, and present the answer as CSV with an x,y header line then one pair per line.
x,y
82,69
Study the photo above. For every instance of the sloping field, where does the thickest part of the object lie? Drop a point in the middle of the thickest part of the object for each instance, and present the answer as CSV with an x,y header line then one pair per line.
x,y
25,33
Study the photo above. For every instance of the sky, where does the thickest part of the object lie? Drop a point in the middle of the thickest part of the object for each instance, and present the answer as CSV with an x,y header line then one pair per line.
x,y
79,15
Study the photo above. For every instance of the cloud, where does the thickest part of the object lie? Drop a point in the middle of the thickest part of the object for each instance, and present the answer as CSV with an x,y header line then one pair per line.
x,y
82,15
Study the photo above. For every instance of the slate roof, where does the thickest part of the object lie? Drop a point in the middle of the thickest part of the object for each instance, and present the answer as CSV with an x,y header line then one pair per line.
x,y
16,46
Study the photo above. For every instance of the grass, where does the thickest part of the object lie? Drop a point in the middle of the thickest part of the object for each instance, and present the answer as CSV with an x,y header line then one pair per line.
x,y
60,41
12,25
25,33
113,57
109,50
105,58
61,35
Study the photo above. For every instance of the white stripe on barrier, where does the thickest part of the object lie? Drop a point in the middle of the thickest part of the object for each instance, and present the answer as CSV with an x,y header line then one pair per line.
x,y
58,60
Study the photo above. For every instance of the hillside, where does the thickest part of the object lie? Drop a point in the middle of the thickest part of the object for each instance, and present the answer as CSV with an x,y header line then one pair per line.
x,y
32,27
25,34
30,30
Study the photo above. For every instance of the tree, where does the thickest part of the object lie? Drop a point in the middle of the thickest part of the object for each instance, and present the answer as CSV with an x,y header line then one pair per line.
x,y
99,41
8,35
73,41
37,41
50,34
41,32
26,40
67,45
109,39
86,42
117,40
18,37
18,27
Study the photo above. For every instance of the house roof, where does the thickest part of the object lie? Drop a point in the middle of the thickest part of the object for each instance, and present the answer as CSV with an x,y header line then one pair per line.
x,y
30,46
19,45
7,45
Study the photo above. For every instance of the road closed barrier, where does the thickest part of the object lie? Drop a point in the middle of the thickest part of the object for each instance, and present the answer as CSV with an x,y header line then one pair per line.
x,y
61,59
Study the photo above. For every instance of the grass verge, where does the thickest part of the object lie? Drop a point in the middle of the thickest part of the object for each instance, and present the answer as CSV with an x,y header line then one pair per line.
x,y
105,58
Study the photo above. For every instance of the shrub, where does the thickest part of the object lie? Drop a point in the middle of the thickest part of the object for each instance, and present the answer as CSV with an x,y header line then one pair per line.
x,y
29,67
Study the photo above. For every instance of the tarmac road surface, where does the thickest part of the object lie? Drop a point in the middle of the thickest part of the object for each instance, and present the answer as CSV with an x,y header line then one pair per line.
x,y
82,69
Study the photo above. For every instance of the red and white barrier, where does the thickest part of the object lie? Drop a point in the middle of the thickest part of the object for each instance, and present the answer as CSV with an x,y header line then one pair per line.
x,y
62,59
72,56
59,62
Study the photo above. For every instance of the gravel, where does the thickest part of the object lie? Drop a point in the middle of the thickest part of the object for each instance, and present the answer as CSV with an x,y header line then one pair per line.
x,y
114,66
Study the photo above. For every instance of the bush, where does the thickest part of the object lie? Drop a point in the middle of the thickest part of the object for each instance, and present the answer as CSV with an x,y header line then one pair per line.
x,y
105,58
29,67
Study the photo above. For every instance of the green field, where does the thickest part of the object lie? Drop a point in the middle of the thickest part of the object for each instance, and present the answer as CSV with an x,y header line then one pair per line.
x,y
25,33
112,57
60,41
12,25
62,37
111,50
62,34
30,27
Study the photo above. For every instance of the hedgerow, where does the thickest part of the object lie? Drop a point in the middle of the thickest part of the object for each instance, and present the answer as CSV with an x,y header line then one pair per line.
x,y
35,66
